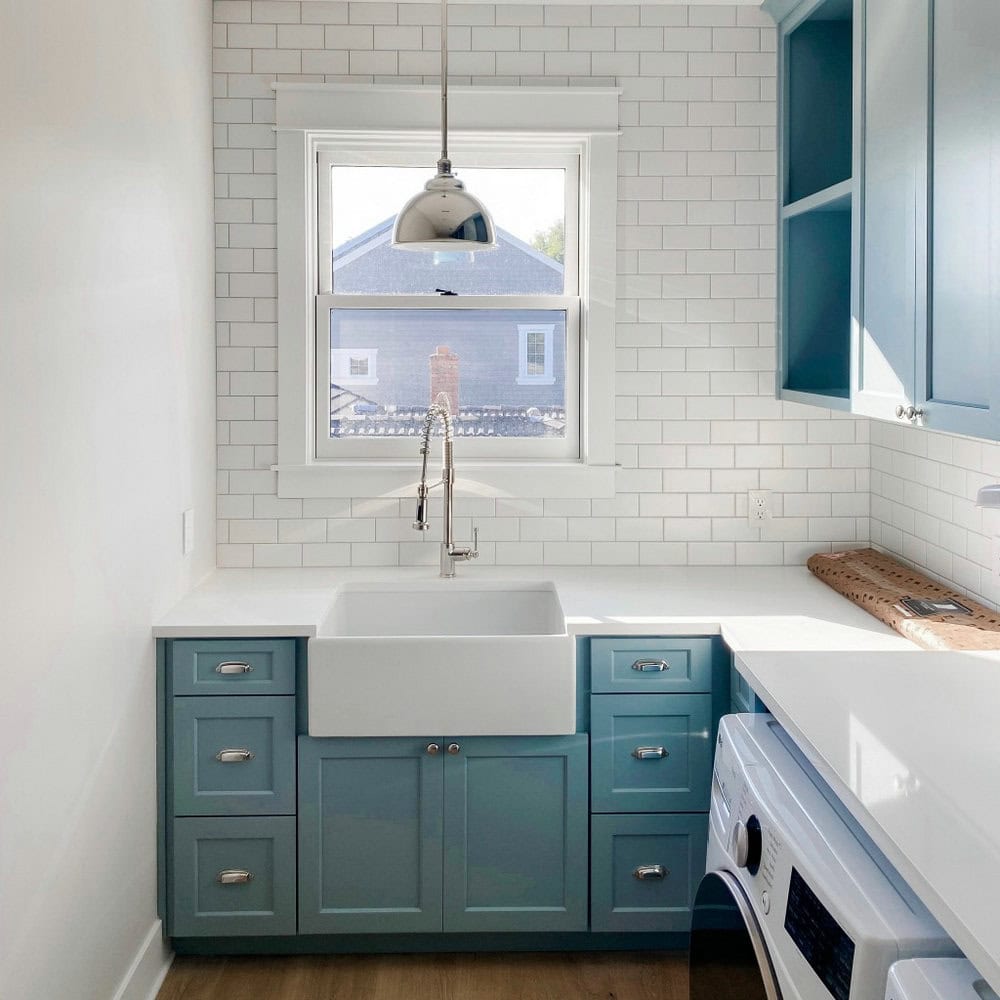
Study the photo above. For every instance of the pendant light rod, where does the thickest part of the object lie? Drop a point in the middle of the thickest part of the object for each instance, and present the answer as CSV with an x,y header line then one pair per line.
x,y
444,89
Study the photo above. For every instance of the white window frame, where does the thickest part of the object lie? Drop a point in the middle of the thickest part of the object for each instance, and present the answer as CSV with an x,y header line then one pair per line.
x,y
310,118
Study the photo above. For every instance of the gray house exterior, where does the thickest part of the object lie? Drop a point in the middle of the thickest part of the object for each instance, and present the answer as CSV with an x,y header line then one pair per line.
x,y
505,369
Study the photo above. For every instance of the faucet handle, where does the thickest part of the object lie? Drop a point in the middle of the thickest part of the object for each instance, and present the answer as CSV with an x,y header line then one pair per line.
x,y
474,554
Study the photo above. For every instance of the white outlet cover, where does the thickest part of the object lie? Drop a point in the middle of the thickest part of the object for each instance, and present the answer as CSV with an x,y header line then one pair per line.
x,y
758,506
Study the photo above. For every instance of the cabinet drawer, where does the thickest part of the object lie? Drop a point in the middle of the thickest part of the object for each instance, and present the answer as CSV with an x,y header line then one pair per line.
x,y
627,666
233,756
668,850
227,666
650,752
233,876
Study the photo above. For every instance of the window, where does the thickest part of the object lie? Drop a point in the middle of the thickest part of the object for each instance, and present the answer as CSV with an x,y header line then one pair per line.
x,y
519,338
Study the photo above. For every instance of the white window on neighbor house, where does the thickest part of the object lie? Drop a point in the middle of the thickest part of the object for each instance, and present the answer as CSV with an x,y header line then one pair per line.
x,y
520,337
535,361
353,366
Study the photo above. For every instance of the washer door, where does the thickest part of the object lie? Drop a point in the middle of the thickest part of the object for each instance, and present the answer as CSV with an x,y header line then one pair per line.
x,y
729,960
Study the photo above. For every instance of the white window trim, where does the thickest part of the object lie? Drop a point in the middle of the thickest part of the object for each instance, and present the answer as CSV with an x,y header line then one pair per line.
x,y
308,115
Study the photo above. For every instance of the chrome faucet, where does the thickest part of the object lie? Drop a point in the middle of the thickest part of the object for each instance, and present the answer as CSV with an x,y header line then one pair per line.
x,y
450,554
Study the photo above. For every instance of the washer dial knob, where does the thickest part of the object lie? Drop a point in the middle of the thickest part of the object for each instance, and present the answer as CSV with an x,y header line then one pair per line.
x,y
746,844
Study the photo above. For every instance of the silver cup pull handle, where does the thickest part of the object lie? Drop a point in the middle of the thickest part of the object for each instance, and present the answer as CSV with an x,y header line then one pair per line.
x,y
234,756
650,753
646,873
234,876
234,667
649,666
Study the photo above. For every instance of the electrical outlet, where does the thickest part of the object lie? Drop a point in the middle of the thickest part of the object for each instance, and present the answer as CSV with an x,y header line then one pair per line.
x,y
187,531
758,506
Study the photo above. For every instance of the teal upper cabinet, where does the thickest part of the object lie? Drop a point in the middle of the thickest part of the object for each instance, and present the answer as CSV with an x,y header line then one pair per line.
x,y
890,296
895,215
959,363
817,187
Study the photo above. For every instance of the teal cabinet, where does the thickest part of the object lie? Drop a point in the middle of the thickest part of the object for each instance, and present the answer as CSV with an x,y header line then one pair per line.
x,y
515,834
959,360
650,752
477,834
645,871
233,756
370,835
634,665
232,876
889,295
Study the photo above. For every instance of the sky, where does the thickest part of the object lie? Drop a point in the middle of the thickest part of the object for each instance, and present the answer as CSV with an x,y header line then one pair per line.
x,y
522,201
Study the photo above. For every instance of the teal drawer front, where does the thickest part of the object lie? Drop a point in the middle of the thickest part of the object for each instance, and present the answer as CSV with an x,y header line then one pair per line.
x,y
668,850
233,666
233,756
233,876
628,666
650,752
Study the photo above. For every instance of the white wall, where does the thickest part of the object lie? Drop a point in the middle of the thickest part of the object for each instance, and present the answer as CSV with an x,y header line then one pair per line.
x,y
698,424
106,435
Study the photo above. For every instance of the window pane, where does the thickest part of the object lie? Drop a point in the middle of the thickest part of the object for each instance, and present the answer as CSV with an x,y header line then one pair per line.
x,y
478,357
528,207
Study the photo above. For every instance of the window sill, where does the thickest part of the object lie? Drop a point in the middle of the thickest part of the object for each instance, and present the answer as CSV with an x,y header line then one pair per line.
x,y
473,479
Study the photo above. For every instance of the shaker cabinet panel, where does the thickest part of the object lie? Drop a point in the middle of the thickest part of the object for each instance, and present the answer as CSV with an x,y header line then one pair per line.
x,y
895,212
369,836
515,834
960,364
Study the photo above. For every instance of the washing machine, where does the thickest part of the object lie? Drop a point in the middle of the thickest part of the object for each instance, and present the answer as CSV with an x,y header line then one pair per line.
x,y
797,903
937,979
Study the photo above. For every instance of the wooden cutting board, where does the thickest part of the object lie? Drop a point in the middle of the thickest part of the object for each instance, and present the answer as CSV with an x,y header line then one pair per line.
x,y
877,583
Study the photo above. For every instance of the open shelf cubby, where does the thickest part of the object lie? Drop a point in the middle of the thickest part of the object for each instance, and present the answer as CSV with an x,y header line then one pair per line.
x,y
817,308
819,100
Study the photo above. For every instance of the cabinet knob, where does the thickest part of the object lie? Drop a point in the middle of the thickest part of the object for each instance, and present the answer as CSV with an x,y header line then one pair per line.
x,y
233,876
900,411
646,873
433,748
234,667
235,756
908,412
650,753
453,748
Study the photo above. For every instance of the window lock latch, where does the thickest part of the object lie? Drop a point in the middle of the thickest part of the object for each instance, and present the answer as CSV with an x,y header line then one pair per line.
x,y
445,291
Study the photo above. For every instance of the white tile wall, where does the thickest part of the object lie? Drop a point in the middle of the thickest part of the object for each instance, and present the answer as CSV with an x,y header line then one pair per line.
x,y
697,424
923,504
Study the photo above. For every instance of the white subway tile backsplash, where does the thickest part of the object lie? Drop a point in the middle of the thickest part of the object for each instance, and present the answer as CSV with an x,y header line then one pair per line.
x,y
695,334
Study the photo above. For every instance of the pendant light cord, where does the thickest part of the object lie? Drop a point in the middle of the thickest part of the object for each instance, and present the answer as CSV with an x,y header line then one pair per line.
x,y
444,90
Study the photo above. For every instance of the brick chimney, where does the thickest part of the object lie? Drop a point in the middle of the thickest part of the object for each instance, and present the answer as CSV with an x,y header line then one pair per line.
x,y
444,376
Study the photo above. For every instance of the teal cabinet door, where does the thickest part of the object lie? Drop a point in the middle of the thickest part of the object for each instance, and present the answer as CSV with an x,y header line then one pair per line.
x,y
960,361
650,752
895,205
370,816
516,834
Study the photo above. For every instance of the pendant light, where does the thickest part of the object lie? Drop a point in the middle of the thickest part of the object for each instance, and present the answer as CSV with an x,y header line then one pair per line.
x,y
444,216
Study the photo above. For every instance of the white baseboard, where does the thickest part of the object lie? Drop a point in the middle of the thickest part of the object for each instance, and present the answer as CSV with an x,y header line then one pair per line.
x,y
149,968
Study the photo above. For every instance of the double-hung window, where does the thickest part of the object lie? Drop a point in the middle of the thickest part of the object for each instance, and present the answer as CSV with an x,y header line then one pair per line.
x,y
519,339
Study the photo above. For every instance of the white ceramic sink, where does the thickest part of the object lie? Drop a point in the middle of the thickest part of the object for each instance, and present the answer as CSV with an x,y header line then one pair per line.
x,y
442,658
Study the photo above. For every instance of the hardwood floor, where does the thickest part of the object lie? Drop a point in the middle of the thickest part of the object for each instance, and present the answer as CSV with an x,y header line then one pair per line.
x,y
557,976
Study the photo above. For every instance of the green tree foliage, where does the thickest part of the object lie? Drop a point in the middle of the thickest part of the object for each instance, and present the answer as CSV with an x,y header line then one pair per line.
x,y
551,241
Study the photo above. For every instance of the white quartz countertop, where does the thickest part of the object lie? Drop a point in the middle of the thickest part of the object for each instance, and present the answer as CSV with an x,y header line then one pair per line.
x,y
909,739
781,608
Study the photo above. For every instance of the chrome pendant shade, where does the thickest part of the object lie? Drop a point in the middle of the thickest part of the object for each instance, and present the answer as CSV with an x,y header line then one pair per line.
x,y
444,216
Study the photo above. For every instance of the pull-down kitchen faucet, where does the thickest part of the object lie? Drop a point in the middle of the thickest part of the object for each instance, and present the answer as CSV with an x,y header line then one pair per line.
x,y
450,554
